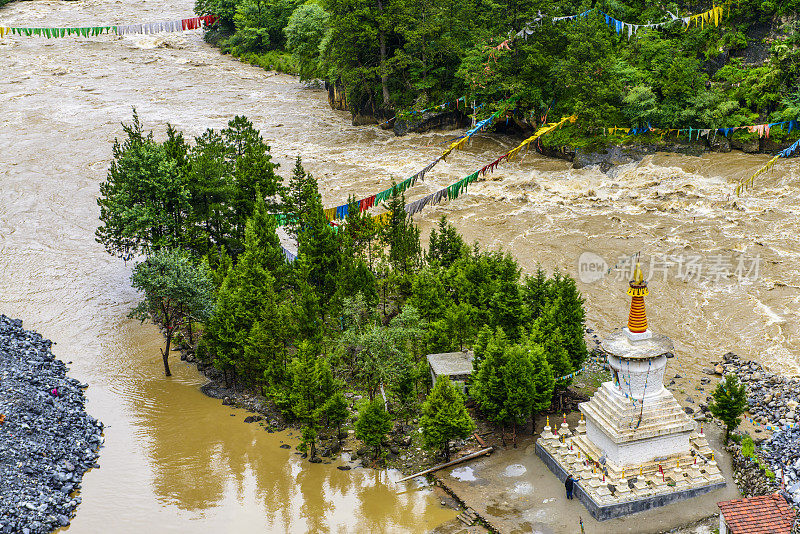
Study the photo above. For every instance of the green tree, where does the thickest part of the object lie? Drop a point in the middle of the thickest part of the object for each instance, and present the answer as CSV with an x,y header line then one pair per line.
x,y
571,317
336,412
480,345
306,310
246,297
320,247
144,198
444,417
298,196
401,235
487,382
309,441
175,290
641,106
260,25
265,346
546,333
304,32
543,382
454,329
305,391
373,424
446,245
730,402
228,171
519,387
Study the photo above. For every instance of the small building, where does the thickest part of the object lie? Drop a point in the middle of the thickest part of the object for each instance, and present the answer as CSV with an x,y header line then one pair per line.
x,y
455,365
764,514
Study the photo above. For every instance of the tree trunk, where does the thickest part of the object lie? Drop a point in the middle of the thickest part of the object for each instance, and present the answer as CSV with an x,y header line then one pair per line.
x,y
165,353
190,333
447,450
339,434
384,77
503,434
533,424
515,433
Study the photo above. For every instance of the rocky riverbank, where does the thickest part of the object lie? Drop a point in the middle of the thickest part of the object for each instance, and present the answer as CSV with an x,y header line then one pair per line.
x,y
47,440
773,403
772,398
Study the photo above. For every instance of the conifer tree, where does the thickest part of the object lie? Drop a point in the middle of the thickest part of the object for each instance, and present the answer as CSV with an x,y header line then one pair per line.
x,y
446,245
336,412
405,388
304,394
543,381
307,315
519,387
265,348
266,244
479,347
730,402
546,333
247,291
401,235
444,417
361,232
373,424
297,196
429,295
487,383
572,318
536,293
321,248
222,336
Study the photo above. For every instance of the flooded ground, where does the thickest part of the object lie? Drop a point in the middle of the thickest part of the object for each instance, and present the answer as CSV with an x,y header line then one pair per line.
x,y
174,459
514,491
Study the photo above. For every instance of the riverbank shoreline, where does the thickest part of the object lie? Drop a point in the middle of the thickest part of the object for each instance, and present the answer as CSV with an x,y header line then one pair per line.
x,y
47,440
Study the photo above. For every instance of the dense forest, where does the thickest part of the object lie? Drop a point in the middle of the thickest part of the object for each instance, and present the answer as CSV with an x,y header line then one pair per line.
x,y
357,311
396,55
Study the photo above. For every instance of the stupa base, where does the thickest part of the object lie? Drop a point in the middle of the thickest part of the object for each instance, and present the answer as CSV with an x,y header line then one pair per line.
x,y
618,491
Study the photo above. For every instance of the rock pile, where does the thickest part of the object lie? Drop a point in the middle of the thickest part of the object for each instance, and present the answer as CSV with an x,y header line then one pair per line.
x,y
772,397
47,440
782,453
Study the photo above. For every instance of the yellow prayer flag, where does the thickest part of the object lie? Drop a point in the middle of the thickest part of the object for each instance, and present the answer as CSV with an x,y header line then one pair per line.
x,y
748,181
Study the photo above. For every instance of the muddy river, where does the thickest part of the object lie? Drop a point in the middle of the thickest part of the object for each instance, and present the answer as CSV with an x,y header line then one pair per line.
x,y
725,270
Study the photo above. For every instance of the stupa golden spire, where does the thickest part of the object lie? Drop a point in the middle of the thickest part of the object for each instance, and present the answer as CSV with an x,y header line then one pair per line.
x,y
637,318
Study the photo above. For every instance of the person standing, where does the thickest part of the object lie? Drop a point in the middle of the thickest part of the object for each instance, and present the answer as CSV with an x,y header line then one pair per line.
x,y
569,483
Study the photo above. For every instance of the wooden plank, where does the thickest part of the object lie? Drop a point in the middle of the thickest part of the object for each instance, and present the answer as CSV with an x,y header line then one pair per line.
x,y
481,452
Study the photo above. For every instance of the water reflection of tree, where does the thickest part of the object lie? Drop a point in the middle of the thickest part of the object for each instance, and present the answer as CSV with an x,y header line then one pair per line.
x,y
313,481
272,468
384,509
190,458
197,452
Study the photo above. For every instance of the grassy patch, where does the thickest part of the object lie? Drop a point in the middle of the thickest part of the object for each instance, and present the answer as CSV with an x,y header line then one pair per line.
x,y
275,60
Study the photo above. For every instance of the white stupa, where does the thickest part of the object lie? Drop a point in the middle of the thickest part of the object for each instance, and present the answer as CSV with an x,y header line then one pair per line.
x,y
637,447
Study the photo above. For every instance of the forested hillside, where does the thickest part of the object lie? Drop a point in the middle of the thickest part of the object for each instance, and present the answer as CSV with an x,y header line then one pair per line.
x,y
395,55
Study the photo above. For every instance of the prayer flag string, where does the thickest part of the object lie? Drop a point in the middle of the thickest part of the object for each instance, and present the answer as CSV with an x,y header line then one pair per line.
x,y
191,23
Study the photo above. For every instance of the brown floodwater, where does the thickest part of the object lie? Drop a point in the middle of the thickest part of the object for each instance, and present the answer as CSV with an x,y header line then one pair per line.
x,y
176,460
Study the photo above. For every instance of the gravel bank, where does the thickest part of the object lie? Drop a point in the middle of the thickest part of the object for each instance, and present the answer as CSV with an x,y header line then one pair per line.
x,y
47,440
